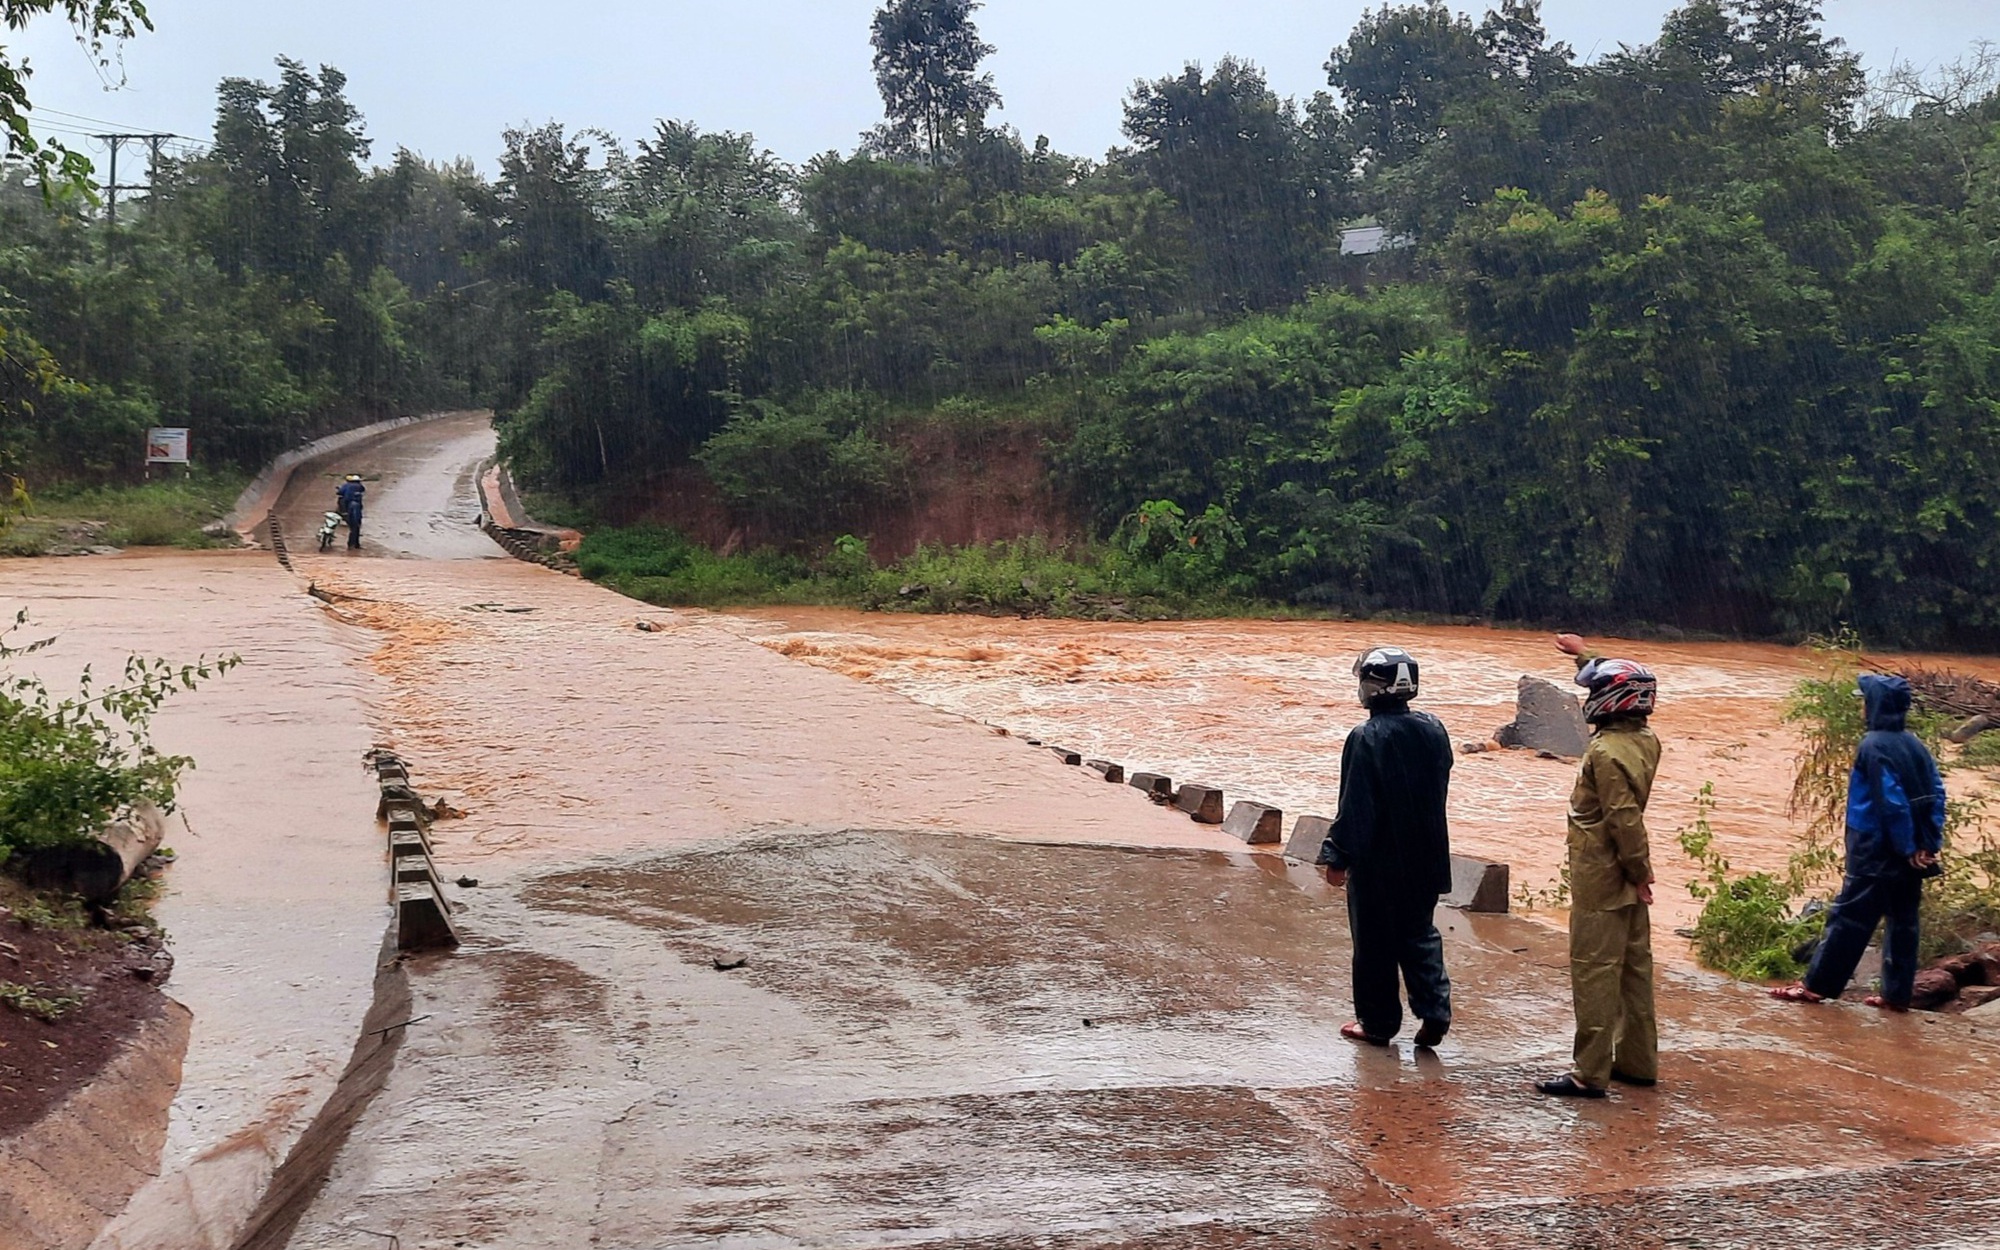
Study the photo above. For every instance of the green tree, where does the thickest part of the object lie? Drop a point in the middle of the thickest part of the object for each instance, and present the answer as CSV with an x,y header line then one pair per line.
x,y
1398,73
927,55
97,23
1234,158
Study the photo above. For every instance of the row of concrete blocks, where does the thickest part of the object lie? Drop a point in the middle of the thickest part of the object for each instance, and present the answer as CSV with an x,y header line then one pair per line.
x,y
1477,884
423,916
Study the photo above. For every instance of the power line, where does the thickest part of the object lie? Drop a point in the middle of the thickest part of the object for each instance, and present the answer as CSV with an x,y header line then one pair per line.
x,y
81,117
113,187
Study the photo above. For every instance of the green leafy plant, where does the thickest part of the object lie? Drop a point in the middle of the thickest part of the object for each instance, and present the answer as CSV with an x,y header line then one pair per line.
x,y
1552,897
39,1001
70,765
1748,925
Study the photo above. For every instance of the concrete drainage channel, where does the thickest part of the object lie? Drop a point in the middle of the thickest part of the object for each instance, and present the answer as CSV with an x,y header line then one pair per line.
x,y
1477,885
422,922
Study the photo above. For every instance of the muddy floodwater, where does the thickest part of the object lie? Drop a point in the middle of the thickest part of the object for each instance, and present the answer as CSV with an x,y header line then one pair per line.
x,y
1261,708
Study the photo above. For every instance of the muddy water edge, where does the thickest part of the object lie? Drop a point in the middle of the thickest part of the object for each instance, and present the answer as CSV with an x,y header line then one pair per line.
x,y
1261,708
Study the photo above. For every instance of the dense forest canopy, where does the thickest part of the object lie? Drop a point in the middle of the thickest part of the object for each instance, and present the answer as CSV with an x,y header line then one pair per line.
x,y
1703,332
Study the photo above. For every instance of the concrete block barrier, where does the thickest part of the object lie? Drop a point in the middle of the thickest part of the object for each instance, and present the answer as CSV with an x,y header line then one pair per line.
x,y
1202,803
1308,835
1114,773
1478,885
1158,787
1256,823
423,919
1072,758
423,915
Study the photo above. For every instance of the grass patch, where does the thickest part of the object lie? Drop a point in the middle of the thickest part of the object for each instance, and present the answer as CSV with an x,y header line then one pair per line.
x,y
170,512
1981,752
39,1001
1027,577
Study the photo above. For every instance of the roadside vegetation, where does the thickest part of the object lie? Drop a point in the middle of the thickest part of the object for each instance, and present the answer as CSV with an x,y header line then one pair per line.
x,y
173,512
1161,564
1698,333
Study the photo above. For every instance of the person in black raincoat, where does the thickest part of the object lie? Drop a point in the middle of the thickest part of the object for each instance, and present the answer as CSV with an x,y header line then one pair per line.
x,y
1389,846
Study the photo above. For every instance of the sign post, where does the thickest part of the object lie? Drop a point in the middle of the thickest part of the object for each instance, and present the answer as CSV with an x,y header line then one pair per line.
x,y
166,445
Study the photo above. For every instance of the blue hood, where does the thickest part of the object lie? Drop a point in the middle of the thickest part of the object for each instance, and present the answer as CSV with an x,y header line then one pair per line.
x,y
1887,700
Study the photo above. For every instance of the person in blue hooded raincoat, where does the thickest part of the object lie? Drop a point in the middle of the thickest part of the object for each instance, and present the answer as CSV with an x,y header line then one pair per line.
x,y
1895,830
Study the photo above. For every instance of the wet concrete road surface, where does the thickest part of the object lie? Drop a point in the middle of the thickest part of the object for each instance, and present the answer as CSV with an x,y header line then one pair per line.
x,y
941,1041
422,500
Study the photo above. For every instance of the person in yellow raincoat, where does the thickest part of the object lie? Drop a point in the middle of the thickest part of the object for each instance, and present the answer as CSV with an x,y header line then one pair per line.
x,y
1611,882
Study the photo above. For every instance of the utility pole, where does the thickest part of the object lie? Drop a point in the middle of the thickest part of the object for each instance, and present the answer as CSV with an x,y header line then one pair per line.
x,y
113,187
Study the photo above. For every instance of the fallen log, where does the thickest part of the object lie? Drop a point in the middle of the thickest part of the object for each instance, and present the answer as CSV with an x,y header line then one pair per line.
x,y
97,868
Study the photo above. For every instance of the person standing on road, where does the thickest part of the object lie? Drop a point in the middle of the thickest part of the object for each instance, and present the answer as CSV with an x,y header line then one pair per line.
x,y
1611,881
1389,846
1895,831
348,498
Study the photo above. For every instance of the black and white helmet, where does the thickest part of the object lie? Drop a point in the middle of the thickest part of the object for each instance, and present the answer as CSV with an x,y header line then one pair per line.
x,y
1386,673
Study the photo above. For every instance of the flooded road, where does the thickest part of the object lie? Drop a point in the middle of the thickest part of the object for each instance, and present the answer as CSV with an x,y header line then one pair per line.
x,y
758,955
422,500
275,907
1261,708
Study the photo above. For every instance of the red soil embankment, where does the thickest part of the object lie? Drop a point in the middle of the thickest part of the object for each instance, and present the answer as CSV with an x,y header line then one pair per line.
x,y
966,486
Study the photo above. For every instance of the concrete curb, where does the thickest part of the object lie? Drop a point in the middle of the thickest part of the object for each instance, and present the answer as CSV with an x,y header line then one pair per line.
x,y
258,498
507,522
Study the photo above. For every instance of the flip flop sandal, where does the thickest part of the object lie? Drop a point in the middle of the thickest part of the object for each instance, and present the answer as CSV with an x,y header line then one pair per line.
x,y
1796,993
1637,1082
1567,1086
1431,1034
1882,1004
1355,1033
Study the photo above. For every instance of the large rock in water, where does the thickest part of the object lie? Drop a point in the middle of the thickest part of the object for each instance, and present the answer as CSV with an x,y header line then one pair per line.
x,y
1546,718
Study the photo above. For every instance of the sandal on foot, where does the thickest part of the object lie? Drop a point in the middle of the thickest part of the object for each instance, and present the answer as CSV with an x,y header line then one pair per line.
x,y
1796,993
1431,1034
1355,1033
1882,1004
1638,1082
1567,1086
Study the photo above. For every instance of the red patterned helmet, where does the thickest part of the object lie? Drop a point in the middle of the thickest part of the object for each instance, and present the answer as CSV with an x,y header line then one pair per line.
x,y
1617,688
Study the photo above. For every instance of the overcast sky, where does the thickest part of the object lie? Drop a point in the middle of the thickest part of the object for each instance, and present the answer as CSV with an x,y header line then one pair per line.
x,y
444,77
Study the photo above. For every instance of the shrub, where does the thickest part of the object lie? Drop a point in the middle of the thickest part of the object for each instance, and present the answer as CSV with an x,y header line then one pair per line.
x,y
68,766
803,469
1748,927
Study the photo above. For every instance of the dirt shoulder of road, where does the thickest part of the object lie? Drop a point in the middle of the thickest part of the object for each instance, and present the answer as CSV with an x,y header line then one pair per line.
x,y
72,994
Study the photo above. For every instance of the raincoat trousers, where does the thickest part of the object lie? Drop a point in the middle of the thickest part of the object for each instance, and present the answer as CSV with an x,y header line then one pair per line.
x,y
1610,930
1895,808
1391,839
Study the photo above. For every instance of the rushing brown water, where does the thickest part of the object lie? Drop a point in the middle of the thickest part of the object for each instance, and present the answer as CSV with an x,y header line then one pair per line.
x,y
1261,708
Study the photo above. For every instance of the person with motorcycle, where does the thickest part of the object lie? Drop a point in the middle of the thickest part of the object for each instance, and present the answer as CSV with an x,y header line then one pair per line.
x,y
348,503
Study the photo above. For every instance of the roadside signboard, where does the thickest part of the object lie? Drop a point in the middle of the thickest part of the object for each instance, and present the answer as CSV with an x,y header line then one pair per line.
x,y
167,446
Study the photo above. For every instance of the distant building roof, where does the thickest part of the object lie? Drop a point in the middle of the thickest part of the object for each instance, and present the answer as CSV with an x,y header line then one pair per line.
x,y
1368,240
